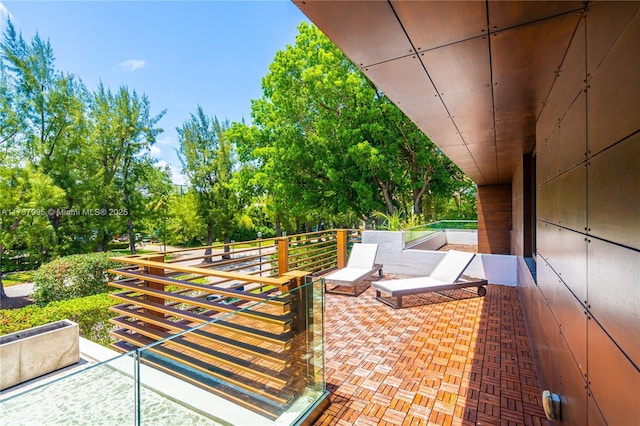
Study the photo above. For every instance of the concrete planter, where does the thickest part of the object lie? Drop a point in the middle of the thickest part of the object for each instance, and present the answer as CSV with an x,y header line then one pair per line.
x,y
31,353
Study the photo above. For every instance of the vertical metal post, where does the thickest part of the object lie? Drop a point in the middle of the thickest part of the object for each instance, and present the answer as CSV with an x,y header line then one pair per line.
x,y
283,255
341,241
260,251
136,387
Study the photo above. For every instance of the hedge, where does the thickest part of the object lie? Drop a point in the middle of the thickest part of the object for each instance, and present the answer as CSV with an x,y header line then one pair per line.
x,y
73,276
91,313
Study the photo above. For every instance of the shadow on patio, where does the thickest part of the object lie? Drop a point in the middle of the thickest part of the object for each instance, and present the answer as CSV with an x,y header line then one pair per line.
x,y
461,361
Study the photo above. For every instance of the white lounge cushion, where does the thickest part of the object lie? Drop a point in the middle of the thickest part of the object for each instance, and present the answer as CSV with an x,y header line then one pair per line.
x,y
451,266
362,256
348,274
391,286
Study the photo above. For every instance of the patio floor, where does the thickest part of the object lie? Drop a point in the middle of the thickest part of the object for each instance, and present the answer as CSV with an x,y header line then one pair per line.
x,y
465,361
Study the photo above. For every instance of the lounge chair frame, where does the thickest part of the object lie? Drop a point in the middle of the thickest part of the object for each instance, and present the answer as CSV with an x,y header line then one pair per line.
x,y
357,287
361,273
395,301
448,277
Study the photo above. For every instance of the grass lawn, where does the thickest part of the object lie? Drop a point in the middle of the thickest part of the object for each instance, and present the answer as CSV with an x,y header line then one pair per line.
x,y
15,278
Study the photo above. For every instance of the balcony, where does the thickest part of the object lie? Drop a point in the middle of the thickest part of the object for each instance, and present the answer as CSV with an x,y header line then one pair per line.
x,y
241,335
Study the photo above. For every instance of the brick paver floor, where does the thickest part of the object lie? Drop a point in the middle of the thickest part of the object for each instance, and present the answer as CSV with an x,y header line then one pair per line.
x,y
463,360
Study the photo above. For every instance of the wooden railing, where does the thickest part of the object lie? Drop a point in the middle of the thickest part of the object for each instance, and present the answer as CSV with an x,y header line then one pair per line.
x,y
239,323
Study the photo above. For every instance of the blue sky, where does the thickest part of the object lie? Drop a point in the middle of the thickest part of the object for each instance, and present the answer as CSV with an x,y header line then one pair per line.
x,y
181,54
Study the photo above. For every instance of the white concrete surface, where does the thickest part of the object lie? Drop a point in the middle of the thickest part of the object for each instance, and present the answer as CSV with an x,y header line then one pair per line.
x,y
496,269
34,352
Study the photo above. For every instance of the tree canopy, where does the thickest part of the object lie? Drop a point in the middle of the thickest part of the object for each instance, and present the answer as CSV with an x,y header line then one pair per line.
x,y
325,148
327,143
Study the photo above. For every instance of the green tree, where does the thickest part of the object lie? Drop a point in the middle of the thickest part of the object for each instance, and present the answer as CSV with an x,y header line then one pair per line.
x,y
48,124
26,197
122,130
327,143
208,159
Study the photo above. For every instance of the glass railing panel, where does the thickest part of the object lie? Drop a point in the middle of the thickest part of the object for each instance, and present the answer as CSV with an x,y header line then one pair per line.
x,y
423,231
102,394
260,365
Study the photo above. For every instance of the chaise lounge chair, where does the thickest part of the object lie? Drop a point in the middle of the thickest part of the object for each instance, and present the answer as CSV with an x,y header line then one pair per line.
x,y
360,267
445,276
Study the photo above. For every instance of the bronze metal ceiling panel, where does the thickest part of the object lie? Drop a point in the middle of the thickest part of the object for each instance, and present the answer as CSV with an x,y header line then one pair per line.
x,y
368,32
415,96
517,48
456,85
509,14
438,23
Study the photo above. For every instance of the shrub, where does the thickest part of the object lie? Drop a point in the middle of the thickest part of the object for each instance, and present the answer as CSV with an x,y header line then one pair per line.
x,y
91,313
73,276
244,233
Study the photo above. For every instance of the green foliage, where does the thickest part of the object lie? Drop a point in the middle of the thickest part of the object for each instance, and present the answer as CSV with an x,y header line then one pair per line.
x,y
73,276
327,145
249,233
65,152
209,160
396,222
91,313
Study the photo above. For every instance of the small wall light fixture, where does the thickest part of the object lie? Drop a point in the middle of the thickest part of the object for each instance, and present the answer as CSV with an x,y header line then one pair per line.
x,y
551,405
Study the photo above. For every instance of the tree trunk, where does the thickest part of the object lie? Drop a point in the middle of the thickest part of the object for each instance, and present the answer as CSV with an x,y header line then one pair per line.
x,y
3,295
419,193
278,227
132,235
208,251
227,249
387,197
102,233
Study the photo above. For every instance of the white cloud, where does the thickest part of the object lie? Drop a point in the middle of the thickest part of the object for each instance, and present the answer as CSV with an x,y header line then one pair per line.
x,y
132,65
4,15
176,177
164,140
155,152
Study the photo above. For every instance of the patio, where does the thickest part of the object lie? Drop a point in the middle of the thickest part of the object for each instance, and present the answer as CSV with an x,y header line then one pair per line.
x,y
464,361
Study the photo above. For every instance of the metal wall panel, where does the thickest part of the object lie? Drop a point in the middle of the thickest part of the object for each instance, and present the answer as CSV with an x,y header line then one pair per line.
x,y
614,92
349,25
573,388
593,413
566,251
614,293
567,146
563,200
604,25
614,381
432,24
569,83
614,193
569,314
